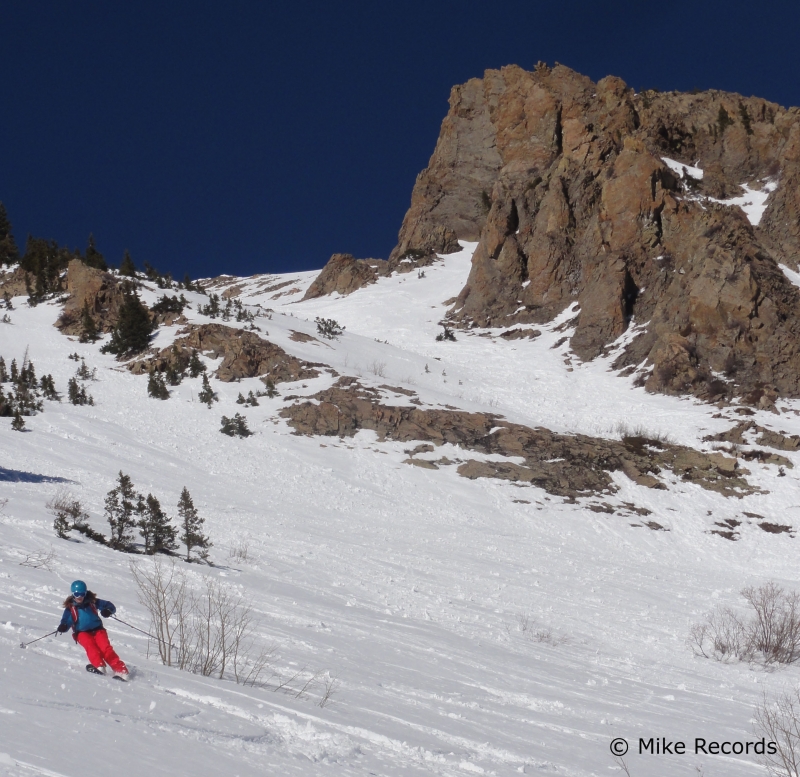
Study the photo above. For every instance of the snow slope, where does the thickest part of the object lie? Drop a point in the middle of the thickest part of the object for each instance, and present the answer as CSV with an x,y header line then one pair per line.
x,y
472,627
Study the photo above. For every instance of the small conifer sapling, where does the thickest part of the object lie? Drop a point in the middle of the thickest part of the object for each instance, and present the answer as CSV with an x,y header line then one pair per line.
x,y
191,525
120,507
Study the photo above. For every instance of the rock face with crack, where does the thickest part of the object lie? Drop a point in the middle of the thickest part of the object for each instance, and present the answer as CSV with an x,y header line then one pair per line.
x,y
564,465
244,355
564,183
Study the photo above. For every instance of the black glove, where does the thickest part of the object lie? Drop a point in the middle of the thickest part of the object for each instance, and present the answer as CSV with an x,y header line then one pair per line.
x,y
106,613
62,628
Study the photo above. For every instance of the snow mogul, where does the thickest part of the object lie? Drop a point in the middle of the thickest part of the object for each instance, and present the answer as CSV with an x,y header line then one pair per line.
x,y
81,614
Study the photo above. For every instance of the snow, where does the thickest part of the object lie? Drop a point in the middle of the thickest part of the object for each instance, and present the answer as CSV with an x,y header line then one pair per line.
x,y
472,626
753,202
681,169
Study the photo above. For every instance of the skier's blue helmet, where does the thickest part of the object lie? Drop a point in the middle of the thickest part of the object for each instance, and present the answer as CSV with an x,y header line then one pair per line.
x,y
78,588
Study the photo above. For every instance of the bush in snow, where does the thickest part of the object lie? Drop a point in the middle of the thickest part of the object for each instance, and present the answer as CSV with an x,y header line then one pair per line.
x,y
778,722
445,334
67,511
328,328
770,634
208,631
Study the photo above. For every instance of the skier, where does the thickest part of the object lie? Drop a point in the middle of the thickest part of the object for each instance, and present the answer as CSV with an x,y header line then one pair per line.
x,y
81,614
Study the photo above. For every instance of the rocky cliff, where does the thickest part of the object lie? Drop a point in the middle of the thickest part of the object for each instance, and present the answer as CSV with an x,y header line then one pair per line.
x,y
624,203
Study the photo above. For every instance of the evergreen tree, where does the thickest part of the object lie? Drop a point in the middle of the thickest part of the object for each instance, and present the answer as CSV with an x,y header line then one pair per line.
x,y
14,371
77,394
156,387
93,257
127,267
192,527
158,533
132,332
236,426
271,390
3,371
88,325
207,395
48,387
18,424
195,365
9,253
121,504
45,261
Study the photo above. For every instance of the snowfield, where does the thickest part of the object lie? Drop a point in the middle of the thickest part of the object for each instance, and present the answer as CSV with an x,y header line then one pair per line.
x,y
465,627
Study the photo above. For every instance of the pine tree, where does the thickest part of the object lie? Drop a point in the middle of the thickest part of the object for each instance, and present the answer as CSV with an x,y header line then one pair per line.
x,y
207,395
3,371
9,253
77,394
120,508
156,387
88,325
192,526
14,371
236,426
195,365
271,390
132,332
127,267
158,533
18,424
93,257
48,387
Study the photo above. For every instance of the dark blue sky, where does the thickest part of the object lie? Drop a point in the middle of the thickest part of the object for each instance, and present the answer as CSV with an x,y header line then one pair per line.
x,y
246,137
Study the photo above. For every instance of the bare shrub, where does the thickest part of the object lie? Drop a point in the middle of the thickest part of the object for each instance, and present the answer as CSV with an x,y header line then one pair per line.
x,y
623,430
40,559
330,686
536,633
778,722
208,632
68,512
770,634
378,369
239,551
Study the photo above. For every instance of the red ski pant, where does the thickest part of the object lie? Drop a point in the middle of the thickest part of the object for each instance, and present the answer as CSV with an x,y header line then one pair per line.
x,y
99,650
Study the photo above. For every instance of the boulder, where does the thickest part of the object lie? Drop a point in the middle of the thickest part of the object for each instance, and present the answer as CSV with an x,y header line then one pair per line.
x,y
344,274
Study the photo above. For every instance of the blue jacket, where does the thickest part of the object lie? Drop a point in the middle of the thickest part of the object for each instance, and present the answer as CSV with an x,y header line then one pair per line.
x,y
88,619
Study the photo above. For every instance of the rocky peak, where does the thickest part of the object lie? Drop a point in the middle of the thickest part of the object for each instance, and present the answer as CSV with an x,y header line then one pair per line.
x,y
580,192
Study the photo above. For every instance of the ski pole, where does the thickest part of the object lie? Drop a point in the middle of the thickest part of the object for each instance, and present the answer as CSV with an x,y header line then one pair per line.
x,y
25,644
146,633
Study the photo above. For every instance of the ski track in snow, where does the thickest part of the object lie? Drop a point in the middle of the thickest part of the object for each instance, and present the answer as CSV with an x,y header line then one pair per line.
x,y
411,587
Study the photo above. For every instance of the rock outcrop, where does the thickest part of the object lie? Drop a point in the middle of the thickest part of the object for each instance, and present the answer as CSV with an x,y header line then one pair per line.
x,y
244,355
563,182
344,274
564,465
100,290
